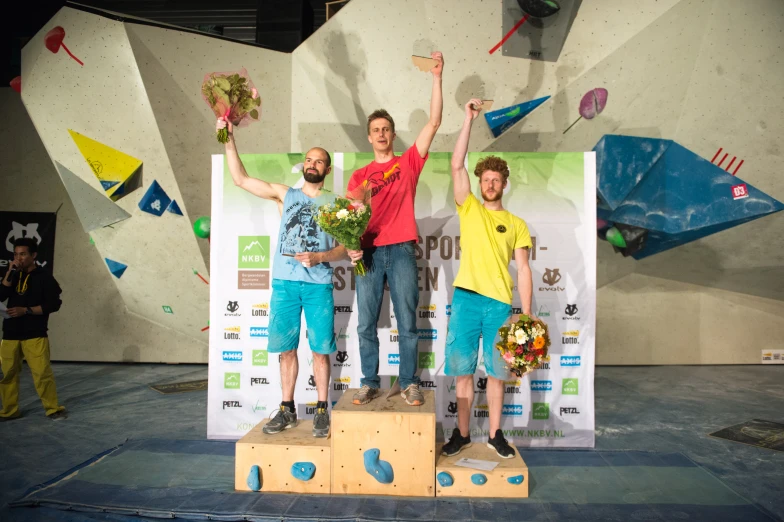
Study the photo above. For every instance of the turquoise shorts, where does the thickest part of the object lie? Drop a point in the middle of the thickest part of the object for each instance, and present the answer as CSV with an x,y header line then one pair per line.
x,y
474,314
289,300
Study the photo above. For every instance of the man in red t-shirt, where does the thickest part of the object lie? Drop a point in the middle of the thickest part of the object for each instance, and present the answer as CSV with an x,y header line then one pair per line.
x,y
388,244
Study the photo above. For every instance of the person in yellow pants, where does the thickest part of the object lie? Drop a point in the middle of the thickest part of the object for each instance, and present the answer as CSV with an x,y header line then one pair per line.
x,y
32,294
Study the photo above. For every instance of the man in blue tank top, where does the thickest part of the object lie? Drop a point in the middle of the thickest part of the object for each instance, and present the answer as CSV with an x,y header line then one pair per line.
x,y
301,281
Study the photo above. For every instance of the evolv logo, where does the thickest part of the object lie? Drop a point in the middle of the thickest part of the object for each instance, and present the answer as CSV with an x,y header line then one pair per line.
x,y
312,381
452,409
340,359
551,277
512,410
18,231
232,307
571,309
570,360
481,383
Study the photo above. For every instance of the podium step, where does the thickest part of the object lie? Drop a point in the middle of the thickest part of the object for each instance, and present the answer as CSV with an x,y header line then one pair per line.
x,y
293,461
385,447
508,480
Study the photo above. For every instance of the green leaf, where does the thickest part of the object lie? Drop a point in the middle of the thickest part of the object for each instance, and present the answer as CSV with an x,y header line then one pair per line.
x,y
254,114
223,84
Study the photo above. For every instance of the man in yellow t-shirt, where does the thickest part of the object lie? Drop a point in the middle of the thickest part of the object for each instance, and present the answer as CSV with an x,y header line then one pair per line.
x,y
482,300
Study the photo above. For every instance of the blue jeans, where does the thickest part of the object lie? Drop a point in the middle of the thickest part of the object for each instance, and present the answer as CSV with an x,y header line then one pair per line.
x,y
397,264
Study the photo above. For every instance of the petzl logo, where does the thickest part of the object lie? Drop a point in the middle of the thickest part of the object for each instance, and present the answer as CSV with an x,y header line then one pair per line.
x,y
427,360
259,331
428,334
551,276
512,410
570,387
570,360
393,358
254,381
232,356
231,380
342,310
569,411
253,252
541,410
231,404
541,386
260,358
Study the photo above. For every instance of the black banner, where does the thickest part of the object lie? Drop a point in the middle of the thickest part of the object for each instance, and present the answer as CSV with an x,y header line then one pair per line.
x,y
37,225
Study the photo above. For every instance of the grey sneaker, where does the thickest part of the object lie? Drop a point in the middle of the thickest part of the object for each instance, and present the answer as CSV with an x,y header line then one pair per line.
x,y
366,394
413,395
283,420
58,415
321,423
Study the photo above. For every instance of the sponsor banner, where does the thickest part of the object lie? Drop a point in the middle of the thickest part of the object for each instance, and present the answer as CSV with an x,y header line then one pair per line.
x,y
550,407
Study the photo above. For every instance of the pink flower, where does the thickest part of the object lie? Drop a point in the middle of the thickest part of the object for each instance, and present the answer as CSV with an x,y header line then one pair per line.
x,y
254,93
519,350
529,357
508,357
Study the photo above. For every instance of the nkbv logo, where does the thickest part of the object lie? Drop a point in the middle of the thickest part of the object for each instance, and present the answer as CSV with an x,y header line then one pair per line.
x,y
253,252
570,387
541,410
231,380
260,358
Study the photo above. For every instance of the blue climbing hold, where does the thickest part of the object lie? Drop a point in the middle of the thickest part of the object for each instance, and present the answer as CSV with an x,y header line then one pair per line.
x,y
115,267
303,470
445,479
517,479
380,469
174,208
254,478
479,479
155,200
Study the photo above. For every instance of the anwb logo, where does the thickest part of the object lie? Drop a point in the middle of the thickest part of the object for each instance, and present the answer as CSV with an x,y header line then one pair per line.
x,y
232,356
541,385
570,360
259,331
513,410
393,358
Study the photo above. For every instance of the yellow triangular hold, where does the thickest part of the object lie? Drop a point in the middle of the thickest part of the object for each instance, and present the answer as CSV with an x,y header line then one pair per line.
x,y
112,167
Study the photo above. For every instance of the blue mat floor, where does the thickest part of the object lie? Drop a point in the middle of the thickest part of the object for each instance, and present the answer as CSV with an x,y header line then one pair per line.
x,y
654,460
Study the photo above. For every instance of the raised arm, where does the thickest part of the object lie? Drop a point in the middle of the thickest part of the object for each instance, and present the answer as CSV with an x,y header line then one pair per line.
x,y
427,134
461,185
257,187
525,284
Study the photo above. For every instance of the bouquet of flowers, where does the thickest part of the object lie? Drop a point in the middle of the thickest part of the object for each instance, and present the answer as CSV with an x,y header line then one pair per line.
x,y
346,219
524,345
232,97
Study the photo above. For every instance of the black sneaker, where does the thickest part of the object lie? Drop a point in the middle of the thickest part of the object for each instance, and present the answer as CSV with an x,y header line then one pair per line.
x,y
456,444
58,415
283,420
321,423
501,447
13,417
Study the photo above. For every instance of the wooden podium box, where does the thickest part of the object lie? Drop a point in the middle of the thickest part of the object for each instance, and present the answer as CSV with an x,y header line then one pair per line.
x,y
497,484
403,435
275,456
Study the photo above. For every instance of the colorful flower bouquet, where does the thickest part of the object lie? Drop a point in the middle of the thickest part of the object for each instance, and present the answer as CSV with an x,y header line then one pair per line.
x,y
524,345
232,97
346,219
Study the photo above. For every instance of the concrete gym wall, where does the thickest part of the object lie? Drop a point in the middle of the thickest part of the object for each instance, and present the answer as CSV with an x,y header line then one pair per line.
x,y
674,69
93,323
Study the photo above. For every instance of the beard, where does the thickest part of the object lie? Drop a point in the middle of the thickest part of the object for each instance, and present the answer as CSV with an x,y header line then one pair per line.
x,y
313,176
496,196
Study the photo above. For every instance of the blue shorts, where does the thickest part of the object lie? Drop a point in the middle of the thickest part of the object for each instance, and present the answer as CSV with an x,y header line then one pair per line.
x,y
474,314
289,299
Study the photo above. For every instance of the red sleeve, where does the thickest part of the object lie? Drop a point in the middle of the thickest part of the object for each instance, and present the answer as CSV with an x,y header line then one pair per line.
x,y
354,180
414,161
